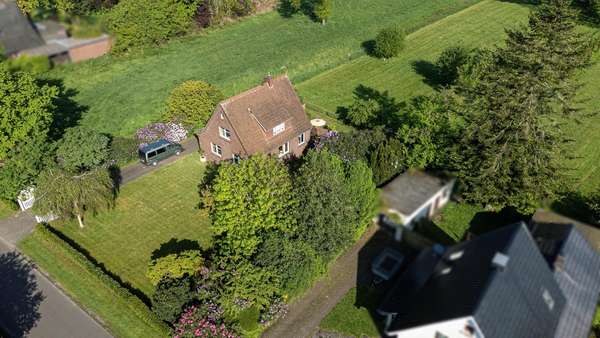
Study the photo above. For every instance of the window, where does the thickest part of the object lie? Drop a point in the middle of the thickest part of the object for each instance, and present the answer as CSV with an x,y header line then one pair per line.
x,y
161,150
279,129
216,149
284,149
221,116
236,158
301,139
225,133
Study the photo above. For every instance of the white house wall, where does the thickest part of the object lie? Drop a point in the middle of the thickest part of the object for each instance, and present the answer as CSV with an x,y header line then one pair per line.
x,y
430,202
454,328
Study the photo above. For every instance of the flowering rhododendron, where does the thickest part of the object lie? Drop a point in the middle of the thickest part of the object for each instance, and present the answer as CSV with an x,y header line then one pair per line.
x,y
276,311
172,132
194,323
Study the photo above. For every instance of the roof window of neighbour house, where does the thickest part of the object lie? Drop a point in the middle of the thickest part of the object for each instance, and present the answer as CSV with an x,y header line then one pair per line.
x,y
278,129
225,133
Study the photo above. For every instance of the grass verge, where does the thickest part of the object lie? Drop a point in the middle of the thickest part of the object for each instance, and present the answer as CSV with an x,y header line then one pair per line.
x,y
351,316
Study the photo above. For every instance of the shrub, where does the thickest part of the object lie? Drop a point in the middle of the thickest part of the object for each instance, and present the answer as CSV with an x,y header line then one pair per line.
x,y
321,10
175,266
192,103
82,149
123,150
32,64
193,323
363,113
449,63
594,206
171,132
135,305
138,23
170,297
386,161
355,145
389,42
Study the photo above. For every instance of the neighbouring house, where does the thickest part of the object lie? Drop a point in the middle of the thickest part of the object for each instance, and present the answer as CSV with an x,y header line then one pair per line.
x,y
268,119
19,36
415,195
499,285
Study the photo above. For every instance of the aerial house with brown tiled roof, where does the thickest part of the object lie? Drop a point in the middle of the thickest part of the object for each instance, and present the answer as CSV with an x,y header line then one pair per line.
x,y
266,119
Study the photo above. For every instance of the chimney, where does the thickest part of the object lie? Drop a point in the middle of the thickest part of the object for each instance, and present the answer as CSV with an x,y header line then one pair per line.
x,y
500,261
269,81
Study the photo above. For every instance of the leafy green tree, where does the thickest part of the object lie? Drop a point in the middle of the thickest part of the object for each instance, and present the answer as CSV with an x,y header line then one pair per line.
x,y
192,103
170,296
137,23
326,220
593,203
387,161
82,149
24,163
246,283
513,151
175,266
250,199
449,63
321,9
362,194
70,7
363,113
25,109
389,42
66,195
294,261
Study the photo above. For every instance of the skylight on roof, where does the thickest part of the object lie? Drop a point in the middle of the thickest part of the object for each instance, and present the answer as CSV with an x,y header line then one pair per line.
x,y
548,299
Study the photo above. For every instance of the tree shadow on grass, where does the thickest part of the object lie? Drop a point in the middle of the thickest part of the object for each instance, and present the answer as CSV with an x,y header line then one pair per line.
x,y
486,221
174,246
369,48
574,205
429,72
67,112
135,291
19,296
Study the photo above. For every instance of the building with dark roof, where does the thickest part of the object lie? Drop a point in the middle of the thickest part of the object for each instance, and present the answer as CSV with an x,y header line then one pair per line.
x,y
415,195
16,31
497,285
267,119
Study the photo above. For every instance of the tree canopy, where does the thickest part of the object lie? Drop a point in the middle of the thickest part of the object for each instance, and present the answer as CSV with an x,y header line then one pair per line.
x,y
82,149
175,266
192,103
26,109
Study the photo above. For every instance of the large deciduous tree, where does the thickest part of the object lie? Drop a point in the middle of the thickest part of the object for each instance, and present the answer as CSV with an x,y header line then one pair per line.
x,y
25,109
192,103
512,144
63,194
83,149
326,220
250,199
175,266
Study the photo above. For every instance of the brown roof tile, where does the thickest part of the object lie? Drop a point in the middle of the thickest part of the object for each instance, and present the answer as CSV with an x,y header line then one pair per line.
x,y
254,113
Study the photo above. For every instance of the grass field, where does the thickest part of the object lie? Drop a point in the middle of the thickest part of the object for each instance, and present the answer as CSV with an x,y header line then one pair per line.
x,y
351,319
6,210
150,211
123,94
479,25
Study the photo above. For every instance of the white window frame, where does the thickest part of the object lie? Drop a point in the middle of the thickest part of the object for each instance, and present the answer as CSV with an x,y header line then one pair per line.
x,y
221,116
225,133
301,136
218,152
278,129
286,149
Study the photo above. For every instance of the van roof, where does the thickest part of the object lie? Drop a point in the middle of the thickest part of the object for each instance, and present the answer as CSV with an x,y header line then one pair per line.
x,y
154,145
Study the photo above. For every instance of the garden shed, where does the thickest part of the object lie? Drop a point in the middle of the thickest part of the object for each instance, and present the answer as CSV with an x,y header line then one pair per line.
x,y
415,195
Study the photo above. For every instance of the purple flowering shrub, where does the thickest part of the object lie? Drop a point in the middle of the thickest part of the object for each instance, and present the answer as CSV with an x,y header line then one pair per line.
x,y
321,141
195,322
172,132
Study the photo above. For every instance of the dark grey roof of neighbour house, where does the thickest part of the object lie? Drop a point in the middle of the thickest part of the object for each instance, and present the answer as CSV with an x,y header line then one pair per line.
x,y
521,300
409,191
576,266
16,31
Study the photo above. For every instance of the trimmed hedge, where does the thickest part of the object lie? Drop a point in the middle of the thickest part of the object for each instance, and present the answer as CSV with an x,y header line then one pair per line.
x,y
59,247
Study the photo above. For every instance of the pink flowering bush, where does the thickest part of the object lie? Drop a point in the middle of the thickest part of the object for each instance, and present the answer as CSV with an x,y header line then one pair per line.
x,y
194,323
172,132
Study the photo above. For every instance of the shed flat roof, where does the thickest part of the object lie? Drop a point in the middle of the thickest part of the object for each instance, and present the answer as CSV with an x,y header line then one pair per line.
x,y
409,191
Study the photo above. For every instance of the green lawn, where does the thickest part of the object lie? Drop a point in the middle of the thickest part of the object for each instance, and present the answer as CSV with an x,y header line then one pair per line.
x,y
116,311
150,211
353,318
125,93
455,219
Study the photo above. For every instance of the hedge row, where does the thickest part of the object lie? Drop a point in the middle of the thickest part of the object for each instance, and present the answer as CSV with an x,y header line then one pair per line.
x,y
134,304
